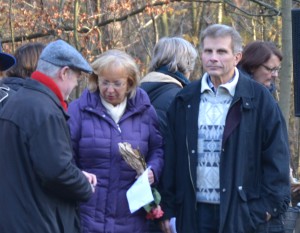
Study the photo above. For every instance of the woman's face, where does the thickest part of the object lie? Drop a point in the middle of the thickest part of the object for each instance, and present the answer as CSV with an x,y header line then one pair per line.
x,y
268,71
113,85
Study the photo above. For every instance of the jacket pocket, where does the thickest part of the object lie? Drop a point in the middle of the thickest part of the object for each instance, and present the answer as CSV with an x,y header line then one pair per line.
x,y
245,222
274,225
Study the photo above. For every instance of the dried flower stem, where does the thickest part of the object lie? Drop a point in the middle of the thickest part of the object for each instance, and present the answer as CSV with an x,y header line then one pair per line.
x,y
133,157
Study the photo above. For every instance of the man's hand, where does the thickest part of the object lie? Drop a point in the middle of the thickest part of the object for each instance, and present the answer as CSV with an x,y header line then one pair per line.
x,y
91,178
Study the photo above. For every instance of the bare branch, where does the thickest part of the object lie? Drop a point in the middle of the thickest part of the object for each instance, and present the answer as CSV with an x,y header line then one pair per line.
x,y
85,29
29,37
269,7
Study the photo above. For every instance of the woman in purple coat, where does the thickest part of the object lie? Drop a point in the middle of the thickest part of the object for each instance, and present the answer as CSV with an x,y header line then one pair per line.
x,y
112,110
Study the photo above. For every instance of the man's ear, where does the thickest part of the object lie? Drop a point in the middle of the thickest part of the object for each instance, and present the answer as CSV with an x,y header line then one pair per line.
x,y
238,57
63,72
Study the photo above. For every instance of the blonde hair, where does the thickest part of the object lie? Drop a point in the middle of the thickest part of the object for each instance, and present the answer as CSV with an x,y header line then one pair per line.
x,y
113,59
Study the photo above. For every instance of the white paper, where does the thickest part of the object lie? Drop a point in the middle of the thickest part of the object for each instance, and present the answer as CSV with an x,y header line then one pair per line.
x,y
139,194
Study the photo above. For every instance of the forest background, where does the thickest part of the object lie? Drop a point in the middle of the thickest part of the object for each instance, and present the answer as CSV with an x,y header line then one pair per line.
x,y
94,26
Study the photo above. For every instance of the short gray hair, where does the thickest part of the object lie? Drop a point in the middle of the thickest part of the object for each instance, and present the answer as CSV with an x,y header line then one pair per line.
x,y
174,52
221,30
48,69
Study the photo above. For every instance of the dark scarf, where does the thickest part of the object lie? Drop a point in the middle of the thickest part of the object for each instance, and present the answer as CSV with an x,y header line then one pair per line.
x,y
48,82
177,75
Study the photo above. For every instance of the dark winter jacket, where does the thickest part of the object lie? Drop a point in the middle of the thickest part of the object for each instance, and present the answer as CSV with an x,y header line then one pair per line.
x,y
40,185
8,86
5,93
161,89
13,82
95,139
254,165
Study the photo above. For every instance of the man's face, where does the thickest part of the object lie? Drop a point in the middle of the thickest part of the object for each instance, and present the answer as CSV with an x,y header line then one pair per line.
x,y
69,81
218,58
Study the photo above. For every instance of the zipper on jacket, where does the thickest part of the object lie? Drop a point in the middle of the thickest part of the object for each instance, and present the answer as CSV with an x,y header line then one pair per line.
x,y
118,126
190,171
105,117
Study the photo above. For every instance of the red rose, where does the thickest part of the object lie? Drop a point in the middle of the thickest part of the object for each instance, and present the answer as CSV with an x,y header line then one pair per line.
x,y
155,213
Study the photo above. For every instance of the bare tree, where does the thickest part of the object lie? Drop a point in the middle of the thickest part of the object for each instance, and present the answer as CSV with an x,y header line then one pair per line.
x,y
286,72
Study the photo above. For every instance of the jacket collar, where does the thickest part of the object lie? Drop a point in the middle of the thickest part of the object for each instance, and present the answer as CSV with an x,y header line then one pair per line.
x,y
244,91
48,82
160,78
91,101
177,75
39,87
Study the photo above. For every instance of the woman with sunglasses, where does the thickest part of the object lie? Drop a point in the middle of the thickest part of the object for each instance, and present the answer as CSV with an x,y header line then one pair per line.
x,y
262,60
114,110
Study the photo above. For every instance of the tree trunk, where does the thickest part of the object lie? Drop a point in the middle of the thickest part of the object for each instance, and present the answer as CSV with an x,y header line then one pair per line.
x,y
12,30
286,80
75,23
220,13
164,26
286,72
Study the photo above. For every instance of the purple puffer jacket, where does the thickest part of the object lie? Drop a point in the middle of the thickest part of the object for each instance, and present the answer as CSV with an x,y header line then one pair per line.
x,y
95,138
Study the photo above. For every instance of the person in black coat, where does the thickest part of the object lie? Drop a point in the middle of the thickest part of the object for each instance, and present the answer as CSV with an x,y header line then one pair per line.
x,y
41,185
172,62
226,153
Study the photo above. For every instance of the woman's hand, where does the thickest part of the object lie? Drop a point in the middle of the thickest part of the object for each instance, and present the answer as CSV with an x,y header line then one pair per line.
x,y
150,176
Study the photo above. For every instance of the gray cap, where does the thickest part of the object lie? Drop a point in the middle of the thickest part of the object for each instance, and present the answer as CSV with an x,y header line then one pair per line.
x,y
60,53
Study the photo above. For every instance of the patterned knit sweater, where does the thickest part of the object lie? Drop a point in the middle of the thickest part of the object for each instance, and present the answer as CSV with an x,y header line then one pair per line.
x,y
211,121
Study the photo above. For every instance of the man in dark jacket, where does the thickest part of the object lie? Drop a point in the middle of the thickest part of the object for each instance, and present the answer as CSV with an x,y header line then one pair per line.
x,y
226,156
40,185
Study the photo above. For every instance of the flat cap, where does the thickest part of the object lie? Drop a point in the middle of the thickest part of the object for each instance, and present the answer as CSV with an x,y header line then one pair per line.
x,y
61,54
6,61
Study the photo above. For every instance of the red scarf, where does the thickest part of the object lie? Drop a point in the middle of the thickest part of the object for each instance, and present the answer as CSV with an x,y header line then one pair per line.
x,y
44,79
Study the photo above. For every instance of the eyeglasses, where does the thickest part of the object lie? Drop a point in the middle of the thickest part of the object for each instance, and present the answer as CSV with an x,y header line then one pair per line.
x,y
271,70
115,85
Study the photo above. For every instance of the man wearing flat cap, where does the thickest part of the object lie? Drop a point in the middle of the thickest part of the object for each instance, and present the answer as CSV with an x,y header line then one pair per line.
x,y
40,184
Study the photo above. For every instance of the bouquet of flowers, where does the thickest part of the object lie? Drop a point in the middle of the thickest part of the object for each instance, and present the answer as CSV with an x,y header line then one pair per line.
x,y
135,159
